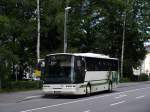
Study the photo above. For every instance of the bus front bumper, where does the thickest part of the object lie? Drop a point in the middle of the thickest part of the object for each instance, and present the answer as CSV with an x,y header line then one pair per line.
x,y
63,90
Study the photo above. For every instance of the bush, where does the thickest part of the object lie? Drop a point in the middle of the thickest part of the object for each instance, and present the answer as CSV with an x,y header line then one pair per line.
x,y
123,80
134,78
143,77
22,85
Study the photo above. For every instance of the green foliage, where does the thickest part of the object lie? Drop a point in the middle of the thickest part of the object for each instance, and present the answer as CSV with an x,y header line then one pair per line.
x,y
6,60
17,34
143,77
125,80
99,27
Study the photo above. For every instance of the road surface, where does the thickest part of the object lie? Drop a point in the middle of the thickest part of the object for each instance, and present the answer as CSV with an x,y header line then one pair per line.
x,y
130,98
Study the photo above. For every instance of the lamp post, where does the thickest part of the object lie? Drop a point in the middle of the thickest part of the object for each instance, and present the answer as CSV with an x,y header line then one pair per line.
x,y
122,52
38,31
65,29
123,39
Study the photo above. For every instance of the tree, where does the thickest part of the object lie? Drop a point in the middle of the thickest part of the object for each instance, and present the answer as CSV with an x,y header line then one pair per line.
x,y
6,60
18,29
100,27
52,22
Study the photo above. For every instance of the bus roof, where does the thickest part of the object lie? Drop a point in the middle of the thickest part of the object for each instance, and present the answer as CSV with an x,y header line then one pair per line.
x,y
92,55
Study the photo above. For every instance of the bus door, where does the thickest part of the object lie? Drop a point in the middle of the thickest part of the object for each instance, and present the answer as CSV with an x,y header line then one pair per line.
x,y
80,68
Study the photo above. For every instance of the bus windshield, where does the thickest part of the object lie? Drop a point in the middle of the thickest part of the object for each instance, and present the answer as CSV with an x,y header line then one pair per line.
x,y
58,69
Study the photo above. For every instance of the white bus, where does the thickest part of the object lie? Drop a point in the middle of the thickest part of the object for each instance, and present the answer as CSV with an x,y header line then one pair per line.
x,y
79,73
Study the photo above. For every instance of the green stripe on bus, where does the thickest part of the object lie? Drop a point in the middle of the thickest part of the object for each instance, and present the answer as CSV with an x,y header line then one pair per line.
x,y
99,84
96,83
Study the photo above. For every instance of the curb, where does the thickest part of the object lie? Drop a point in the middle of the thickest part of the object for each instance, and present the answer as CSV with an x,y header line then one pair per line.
x,y
132,84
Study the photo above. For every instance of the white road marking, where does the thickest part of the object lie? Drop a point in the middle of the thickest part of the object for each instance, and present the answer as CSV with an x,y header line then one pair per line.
x,y
120,96
29,97
113,104
45,107
139,97
87,111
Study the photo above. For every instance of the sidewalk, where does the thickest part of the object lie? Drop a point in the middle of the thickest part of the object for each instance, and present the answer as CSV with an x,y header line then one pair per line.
x,y
14,97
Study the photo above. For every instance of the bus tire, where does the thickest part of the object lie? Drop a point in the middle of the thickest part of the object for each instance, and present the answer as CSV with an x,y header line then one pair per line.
x,y
88,90
110,87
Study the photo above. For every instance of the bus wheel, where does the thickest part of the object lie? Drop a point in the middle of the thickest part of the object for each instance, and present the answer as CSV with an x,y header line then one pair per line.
x,y
88,90
110,87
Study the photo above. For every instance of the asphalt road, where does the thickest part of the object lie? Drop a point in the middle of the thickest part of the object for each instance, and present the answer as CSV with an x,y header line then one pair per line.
x,y
134,98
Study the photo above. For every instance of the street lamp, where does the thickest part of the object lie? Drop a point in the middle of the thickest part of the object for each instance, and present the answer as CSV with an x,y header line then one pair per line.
x,y
65,29
123,39
122,52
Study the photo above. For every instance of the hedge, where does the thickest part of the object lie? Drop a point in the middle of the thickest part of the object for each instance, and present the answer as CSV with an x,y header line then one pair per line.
x,y
143,77
133,78
22,85
124,80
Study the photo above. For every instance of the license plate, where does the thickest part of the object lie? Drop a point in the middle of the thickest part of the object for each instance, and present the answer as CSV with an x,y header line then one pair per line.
x,y
57,92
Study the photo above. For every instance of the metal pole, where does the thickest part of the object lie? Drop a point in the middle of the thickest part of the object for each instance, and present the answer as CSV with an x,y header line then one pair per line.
x,y
65,28
123,42
65,32
38,31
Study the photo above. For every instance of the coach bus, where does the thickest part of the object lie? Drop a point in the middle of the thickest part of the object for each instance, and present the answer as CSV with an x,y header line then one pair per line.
x,y
79,73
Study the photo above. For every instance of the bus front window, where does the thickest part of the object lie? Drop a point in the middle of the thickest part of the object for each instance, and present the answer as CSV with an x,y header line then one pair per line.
x,y
58,69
